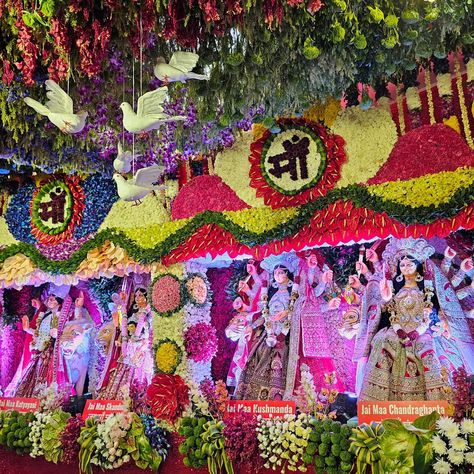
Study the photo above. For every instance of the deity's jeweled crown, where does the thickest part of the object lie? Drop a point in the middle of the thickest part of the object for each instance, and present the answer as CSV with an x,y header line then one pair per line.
x,y
396,249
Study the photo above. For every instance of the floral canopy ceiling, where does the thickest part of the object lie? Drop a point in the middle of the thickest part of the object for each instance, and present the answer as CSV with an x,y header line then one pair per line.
x,y
264,58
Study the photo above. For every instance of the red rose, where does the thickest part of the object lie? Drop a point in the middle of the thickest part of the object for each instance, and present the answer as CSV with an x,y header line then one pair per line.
x,y
167,396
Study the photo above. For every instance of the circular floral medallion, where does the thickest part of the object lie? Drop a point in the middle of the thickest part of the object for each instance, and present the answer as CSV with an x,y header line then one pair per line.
x,y
167,356
56,209
296,165
197,289
293,160
166,294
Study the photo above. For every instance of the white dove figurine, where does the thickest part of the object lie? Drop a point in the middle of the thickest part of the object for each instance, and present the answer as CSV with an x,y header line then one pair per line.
x,y
140,185
150,114
179,68
59,109
123,162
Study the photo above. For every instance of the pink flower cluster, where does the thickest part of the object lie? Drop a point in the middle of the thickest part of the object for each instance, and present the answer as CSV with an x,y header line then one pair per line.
x,y
200,342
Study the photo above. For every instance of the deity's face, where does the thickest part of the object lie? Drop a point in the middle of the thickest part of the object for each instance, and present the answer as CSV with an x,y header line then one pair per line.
x,y
131,327
140,299
407,267
106,336
312,260
238,303
280,275
52,302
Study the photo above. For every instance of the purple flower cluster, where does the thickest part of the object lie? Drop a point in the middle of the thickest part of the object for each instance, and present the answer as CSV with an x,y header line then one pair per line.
x,y
200,342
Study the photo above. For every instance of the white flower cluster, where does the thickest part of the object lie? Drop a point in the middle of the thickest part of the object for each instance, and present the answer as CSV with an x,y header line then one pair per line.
x,y
198,401
36,433
307,382
451,447
52,397
111,441
282,441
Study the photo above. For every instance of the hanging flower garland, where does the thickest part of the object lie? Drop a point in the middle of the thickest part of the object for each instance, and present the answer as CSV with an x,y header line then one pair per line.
x,y
198,290
168,356
56,209
167,294
298,164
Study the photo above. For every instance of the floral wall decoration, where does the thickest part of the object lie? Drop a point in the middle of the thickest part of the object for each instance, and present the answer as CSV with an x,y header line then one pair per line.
x,y
56,209
169,353
60,208
199,336
298,163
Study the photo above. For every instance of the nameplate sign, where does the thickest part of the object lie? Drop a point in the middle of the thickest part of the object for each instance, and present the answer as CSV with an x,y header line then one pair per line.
x,y
103,408
22,405
404,411
265,408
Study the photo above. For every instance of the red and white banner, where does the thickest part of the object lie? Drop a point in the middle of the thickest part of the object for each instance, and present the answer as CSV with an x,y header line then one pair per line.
x,y
103,408
265,408
22,405
403,411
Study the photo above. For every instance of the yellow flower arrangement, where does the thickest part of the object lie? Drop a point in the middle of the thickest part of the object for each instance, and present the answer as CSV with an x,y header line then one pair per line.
x,y
413,98
262,219
432,189
151,235
325,112
16,269
167,357
6,238
258,130
453,122
233,166
367,133
126,215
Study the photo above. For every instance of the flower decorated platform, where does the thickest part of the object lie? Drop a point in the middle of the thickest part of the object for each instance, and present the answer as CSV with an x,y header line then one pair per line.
x,y
236,236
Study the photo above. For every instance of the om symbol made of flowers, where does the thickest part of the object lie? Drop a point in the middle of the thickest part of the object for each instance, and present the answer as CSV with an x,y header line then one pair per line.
x,y
56,208
293,160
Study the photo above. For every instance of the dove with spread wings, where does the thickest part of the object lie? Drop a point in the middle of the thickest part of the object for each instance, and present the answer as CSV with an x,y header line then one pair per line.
x,y
179,68
143,183
150,113
59,109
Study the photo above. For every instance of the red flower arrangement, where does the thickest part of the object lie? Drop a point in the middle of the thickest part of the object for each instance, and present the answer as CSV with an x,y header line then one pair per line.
x,y
69,439
241,443
205,193
328,174
436,147
167,396
200,342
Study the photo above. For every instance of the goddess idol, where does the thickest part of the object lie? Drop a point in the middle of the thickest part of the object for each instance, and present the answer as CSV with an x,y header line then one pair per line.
x,y
270,369
408,359
42,370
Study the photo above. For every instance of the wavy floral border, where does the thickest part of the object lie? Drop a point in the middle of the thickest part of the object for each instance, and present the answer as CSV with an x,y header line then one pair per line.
x,y
345,214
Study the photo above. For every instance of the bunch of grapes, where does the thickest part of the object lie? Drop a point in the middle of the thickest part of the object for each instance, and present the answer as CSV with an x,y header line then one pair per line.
x,y
157,436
